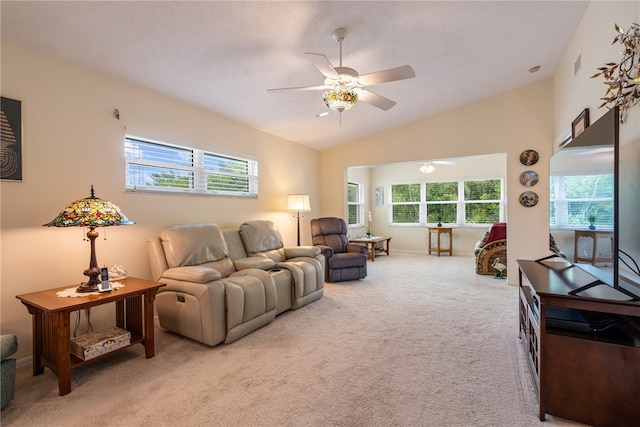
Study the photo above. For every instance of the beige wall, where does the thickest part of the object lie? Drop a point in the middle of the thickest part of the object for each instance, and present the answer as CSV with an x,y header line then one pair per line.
x,y
72,140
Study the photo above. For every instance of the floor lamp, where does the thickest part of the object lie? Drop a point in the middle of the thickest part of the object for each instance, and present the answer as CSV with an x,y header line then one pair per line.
x,y
298,203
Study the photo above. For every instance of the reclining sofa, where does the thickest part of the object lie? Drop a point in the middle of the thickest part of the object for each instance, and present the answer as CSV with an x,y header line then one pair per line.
x,y
224,284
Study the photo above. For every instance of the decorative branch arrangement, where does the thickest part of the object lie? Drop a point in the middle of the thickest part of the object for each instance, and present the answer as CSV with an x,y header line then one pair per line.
x,y
623,78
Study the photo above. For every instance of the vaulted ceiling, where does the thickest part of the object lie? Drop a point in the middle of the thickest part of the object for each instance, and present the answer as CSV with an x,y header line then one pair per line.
x,y
223,56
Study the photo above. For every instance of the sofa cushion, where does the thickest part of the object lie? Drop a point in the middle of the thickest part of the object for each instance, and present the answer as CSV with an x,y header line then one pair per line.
x,y
193,244
260,236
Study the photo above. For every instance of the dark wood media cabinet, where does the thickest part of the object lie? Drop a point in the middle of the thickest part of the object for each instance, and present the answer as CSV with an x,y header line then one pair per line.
x,y
589,374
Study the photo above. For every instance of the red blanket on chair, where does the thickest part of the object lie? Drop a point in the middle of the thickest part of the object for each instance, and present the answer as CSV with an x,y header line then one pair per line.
x,y
498,232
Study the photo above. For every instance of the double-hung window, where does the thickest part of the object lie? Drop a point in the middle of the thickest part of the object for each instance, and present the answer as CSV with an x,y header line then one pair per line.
x,y
405,203
581,200
450,202
355,203
155,166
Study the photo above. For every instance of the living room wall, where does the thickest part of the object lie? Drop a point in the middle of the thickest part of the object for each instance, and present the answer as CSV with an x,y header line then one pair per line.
x,y
72,140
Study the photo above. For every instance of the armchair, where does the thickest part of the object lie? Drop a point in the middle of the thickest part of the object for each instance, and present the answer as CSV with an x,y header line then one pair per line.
x,y
9,345
344,260
493,245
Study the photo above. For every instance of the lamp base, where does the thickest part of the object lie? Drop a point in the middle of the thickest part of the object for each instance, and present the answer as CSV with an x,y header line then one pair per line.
x,y
92,284
86,287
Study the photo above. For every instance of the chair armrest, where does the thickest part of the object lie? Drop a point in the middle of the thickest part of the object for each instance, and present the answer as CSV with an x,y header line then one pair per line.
x,y
327,251
357,248
193,274
9,345
301,251
259,262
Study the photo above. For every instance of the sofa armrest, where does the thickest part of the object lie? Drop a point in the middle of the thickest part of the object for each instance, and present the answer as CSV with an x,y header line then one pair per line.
x,y
9,345
193,274
259,262
357,248
301,251
156,257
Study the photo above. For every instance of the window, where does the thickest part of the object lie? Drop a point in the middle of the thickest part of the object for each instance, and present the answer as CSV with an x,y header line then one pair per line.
x,y
482,201
450,202
160,167
355,203
405,203
581,200
442,200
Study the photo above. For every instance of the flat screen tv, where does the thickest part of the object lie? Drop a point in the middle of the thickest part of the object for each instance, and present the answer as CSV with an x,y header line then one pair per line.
x,y
594,185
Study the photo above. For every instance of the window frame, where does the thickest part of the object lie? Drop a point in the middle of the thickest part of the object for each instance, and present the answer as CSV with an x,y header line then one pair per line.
x,y
460,203
561,202
359,203
196,159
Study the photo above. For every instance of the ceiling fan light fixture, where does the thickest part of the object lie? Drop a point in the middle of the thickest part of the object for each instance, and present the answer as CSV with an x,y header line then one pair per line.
x,y
427,168
340,99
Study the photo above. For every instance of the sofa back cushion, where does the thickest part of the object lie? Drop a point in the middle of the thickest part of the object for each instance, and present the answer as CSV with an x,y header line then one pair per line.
x,y
262,237
193,244
330,231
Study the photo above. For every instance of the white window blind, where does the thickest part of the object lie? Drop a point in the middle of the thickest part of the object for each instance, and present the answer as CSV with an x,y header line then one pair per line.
x,y
155,166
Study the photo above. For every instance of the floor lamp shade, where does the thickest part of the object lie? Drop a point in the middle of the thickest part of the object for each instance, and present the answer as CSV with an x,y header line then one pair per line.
x,y
298,203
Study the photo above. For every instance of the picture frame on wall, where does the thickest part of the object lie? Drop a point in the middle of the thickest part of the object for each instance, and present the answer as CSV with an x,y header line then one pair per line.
x,y
11,139
529,157
580,123
379,196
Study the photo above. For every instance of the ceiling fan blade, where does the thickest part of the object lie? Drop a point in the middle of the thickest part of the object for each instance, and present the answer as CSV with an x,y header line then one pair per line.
x,y
390,75
299,89
322,63
323,111
376,100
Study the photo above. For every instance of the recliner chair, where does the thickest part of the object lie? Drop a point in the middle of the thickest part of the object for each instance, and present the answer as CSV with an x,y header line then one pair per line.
x,y
344,260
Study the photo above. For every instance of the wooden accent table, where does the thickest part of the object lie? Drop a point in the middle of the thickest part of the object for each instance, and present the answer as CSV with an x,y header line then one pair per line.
x,y
371,245
438,231
594,235
51,324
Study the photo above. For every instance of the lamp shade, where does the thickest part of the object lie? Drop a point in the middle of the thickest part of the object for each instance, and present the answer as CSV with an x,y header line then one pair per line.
x,y
298,203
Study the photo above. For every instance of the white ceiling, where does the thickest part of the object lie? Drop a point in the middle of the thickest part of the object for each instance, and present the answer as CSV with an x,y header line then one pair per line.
x,y
223,56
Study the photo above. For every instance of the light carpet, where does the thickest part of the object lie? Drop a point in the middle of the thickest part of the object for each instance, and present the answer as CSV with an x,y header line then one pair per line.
x,y
422,341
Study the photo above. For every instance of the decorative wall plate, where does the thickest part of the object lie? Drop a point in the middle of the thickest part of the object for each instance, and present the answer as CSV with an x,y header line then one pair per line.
x,y
529,157
528,199
529,178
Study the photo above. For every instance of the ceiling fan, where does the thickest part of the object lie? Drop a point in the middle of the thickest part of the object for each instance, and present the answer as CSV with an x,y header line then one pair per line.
x,y
427,167
344,87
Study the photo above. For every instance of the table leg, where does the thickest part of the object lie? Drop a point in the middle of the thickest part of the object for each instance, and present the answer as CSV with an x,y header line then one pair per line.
x,y
373,251
62,341
149,338
388,242
37,320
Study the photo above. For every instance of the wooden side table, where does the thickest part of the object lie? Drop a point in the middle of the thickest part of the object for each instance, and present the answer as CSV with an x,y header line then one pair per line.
x,y
439,231
371,245
51,319
595,236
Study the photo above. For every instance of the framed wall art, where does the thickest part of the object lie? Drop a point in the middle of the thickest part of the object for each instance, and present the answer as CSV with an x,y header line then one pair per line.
x,y
580,123
379,196
10,139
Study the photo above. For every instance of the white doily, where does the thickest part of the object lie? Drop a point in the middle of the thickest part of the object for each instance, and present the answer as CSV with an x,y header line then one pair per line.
x,y
71,292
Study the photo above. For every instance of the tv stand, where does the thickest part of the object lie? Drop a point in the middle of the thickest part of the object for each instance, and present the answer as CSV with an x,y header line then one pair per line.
x,y
590,375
